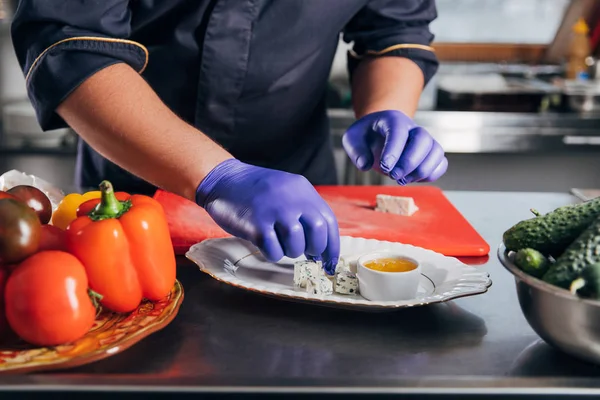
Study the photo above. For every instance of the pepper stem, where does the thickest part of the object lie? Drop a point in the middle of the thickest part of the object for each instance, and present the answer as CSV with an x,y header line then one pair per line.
x,y
109,206
96,298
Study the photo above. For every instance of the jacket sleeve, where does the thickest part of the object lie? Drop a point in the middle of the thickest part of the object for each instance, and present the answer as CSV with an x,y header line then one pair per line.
x,y
59,44
393,28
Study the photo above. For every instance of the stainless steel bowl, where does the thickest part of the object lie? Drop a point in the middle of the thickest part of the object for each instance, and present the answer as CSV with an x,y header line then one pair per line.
x,y
561,319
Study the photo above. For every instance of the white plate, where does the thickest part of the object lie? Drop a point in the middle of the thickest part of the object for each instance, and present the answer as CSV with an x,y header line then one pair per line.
x,y
238,263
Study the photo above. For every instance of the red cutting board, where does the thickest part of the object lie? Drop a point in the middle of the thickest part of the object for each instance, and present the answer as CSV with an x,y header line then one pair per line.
x,y
437,225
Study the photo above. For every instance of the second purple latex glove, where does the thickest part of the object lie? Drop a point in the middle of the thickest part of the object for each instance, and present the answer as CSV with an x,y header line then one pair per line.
x,y
280,213
391,143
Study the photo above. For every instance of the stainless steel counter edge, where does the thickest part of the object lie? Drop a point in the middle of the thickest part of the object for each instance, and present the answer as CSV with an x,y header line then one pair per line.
x,y
430,386
487,132
470,132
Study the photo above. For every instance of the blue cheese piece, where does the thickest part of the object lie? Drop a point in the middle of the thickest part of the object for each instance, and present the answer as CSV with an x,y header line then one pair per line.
x,y
347,263
320,285
341,266
396,205
346,282
305,269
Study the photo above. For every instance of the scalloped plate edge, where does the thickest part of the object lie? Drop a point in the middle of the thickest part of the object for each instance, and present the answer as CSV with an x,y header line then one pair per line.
x,y
479,283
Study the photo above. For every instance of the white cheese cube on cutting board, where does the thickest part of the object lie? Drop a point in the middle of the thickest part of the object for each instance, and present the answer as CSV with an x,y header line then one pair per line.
x,y
346,282
396,205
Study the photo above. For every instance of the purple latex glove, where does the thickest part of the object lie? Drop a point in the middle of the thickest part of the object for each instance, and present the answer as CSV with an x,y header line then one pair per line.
x,y
391,143
280,213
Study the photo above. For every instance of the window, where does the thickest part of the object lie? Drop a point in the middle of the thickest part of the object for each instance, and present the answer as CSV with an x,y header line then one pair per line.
x,y
510,31
498,21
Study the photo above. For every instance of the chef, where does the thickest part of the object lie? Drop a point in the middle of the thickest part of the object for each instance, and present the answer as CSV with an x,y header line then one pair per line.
x,y
223,102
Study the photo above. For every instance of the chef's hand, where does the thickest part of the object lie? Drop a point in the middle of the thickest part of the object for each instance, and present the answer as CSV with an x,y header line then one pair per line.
x,y
280,213
391,143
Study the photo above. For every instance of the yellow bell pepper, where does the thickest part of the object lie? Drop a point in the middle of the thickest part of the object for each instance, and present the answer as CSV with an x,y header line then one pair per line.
x,y
66,212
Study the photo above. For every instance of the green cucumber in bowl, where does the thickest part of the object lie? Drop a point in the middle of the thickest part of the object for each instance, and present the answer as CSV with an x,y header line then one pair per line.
x,y
552,233
581,253
587,285
532,262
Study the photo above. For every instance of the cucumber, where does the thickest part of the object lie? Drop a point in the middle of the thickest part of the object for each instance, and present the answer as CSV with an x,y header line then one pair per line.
x,y
532,262
552,233
587,285
584,251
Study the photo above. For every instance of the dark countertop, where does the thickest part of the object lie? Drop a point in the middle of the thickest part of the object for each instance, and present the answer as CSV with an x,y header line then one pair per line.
x,y
226,340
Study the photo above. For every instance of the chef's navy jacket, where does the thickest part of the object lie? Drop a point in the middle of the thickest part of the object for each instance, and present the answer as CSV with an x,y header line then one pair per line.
x,y
251,74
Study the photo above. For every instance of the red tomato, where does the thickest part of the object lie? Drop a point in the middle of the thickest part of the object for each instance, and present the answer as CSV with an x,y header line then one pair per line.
x,y
52,238
47,301
87,206
5,195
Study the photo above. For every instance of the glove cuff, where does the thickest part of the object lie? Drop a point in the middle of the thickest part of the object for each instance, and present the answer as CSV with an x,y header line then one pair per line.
x,y
212,179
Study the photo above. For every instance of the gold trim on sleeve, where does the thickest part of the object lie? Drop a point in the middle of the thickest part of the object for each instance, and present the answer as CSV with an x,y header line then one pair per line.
x,y
89,38
392,48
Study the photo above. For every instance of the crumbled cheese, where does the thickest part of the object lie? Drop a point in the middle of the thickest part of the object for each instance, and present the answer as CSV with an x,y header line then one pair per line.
x,y
311,276
306,269
341,266
396,205
349,263
320,285
346,282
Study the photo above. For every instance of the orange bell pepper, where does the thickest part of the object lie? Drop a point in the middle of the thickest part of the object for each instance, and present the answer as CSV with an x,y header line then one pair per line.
x,y
125,248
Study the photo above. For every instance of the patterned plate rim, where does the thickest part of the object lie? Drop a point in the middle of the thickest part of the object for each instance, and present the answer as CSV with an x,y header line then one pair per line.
x,y
479,282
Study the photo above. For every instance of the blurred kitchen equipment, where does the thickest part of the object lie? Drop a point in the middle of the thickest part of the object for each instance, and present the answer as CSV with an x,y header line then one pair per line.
x,y
593,67
21,128
585,194
9,7
12,81
563,320
578,52
581,97
492,92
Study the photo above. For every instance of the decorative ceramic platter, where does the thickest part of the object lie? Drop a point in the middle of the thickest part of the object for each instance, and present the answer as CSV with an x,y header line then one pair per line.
x,y
111,334
238,263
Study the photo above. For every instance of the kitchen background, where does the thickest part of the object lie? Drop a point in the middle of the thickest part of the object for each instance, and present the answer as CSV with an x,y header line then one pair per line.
x,y
499,105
